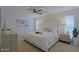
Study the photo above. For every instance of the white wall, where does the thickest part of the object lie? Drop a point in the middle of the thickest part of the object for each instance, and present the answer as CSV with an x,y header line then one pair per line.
x,y
0,17
11,14
57,19
52,22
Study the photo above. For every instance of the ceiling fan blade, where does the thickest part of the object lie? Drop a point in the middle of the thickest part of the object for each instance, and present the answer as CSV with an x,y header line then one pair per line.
x,y
39,10
39,13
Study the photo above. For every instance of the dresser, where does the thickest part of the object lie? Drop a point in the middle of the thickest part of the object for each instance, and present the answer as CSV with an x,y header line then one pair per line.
x,y
8,42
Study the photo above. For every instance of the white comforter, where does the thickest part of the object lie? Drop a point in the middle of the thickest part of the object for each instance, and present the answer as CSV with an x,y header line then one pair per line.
x,y
44,41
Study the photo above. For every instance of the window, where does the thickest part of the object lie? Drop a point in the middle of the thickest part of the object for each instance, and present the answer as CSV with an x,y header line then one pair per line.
x,y
69,24
38,24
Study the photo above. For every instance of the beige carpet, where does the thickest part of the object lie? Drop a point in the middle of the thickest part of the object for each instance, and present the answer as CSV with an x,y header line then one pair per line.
x,y
58,47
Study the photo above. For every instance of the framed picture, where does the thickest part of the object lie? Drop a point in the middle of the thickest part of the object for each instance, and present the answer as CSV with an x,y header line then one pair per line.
x,y
22,23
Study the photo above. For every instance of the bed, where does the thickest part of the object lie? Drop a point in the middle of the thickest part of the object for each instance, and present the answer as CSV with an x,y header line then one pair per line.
x,y
42,40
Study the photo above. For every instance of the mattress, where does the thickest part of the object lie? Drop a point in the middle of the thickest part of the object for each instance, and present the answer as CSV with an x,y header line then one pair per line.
x,y
43,41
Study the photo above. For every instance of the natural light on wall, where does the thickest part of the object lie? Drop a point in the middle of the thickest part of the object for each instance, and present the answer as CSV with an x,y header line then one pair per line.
x,y
69,24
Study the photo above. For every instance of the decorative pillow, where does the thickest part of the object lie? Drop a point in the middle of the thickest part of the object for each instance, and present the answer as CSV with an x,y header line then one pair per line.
x,y
47,29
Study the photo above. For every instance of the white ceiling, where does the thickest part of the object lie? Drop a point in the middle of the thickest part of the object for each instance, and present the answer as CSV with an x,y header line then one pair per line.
x,y
46,9
54,9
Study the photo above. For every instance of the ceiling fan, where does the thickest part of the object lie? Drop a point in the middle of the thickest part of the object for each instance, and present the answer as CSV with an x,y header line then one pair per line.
x,y
37,11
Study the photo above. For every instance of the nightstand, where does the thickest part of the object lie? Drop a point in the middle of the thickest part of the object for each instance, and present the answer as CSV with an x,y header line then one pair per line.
x,y
64,38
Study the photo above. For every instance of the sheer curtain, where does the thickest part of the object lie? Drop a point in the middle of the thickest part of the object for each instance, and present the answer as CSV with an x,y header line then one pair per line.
x,y
38,24
69,24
